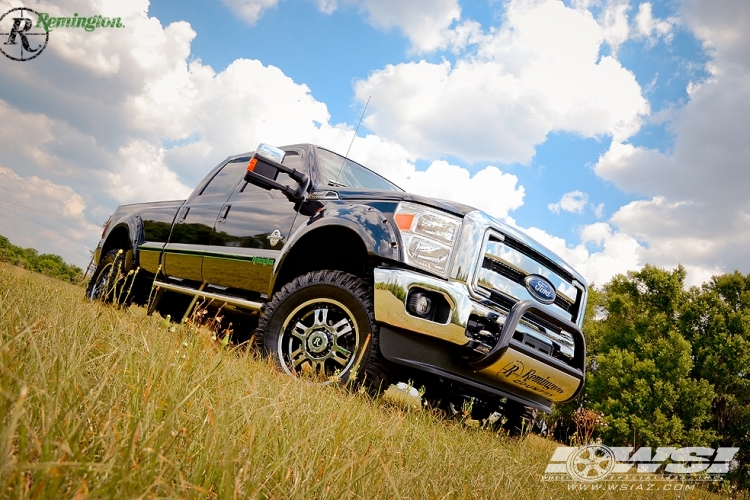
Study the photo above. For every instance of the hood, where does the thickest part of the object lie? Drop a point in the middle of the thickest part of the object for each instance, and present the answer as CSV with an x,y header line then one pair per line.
x,y
460,210
381,195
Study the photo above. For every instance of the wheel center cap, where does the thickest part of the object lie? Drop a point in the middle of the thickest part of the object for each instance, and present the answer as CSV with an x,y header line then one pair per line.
x,y
317,342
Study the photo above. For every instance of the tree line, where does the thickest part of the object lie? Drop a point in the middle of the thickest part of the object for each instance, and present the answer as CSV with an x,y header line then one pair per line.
x,y
667,366
29,258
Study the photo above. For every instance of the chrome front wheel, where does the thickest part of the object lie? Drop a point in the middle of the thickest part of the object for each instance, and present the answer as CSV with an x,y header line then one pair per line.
x,y
320,337
322,326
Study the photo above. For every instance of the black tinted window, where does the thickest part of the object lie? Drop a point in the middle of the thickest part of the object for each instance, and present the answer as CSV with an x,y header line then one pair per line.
x,y
339,171
226,178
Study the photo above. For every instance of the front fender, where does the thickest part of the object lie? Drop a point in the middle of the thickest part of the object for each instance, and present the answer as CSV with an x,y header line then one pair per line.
x,y
374,227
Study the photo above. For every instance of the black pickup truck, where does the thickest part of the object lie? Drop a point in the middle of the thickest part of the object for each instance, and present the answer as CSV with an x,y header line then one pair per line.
x,y
348,276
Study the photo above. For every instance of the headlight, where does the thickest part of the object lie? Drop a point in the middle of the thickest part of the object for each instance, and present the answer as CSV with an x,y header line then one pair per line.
x,y
428,236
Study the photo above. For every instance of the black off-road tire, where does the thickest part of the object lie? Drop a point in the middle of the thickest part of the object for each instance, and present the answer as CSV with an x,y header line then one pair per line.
x,y
108,277
296,332
111,281
520,419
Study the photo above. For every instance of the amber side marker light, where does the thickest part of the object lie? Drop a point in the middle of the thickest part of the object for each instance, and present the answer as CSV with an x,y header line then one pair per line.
x,y
251,164
404,221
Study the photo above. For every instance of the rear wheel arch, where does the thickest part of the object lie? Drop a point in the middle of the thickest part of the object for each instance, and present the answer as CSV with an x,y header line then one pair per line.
x,y
120,249
119,237
124,236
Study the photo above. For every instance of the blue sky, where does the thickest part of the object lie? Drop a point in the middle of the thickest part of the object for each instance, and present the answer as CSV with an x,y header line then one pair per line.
x,y
328,52
588,123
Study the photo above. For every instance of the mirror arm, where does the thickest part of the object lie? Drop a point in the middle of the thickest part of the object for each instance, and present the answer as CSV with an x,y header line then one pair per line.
x,y
304,187
292,194
291,172
299,194
295,174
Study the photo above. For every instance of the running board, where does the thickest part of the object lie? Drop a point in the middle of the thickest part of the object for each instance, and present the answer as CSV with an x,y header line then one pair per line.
x,y
235,301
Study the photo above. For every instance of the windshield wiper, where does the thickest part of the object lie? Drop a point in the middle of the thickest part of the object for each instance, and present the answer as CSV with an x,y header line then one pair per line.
x,y
336,184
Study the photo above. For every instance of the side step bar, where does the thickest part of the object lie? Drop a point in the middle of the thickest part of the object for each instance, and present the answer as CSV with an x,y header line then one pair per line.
x,y
161,286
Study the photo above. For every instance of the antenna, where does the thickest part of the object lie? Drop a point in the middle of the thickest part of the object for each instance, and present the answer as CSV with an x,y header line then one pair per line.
x,y
352,142
358,124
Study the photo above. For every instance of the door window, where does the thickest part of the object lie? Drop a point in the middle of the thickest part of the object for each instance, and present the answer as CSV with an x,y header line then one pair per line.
x,y
226,178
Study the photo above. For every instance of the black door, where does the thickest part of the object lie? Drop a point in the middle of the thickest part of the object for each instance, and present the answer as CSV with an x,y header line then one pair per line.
x,y
249,235
191,233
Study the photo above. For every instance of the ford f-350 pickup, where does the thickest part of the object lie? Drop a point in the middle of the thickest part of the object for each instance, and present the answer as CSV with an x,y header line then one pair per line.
x,y
350,276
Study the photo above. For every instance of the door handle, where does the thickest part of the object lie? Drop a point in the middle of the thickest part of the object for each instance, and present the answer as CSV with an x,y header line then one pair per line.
x,y
224,212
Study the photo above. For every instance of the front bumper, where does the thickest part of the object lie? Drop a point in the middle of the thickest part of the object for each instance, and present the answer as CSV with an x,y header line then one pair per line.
x,y
517,360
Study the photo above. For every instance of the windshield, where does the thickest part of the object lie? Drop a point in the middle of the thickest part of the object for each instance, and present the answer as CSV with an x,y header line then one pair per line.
x,y
338,171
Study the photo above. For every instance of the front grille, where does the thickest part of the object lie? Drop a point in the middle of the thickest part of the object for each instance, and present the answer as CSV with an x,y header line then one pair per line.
x,y
562,303
517,276
501,300
542,259
537,323
503,269
506,303
512,274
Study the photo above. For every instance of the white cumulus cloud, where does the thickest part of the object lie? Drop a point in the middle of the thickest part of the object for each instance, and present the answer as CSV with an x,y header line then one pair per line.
x,y
425,22
696,206
574,202
614,22
539,72
650,27
150,125
38,213
613,252
428,24
249,10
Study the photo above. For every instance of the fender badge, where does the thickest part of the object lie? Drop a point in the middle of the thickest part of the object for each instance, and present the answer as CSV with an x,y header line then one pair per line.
x,y
275,237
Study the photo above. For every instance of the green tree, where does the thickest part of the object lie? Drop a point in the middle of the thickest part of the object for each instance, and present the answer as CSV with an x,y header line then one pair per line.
x,y
48,264
717,323
641,365
561,422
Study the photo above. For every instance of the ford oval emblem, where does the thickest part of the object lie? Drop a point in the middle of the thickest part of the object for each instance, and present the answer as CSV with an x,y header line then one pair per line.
x,y
540,288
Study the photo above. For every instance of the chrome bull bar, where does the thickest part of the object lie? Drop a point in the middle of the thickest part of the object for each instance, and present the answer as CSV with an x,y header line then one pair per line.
x,y
509,362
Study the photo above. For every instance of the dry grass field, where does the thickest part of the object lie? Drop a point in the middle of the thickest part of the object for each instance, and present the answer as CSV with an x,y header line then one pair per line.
x,y
102,402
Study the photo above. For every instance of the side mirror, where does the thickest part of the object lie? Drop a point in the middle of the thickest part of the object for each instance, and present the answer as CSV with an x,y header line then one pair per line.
x,y
263,170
